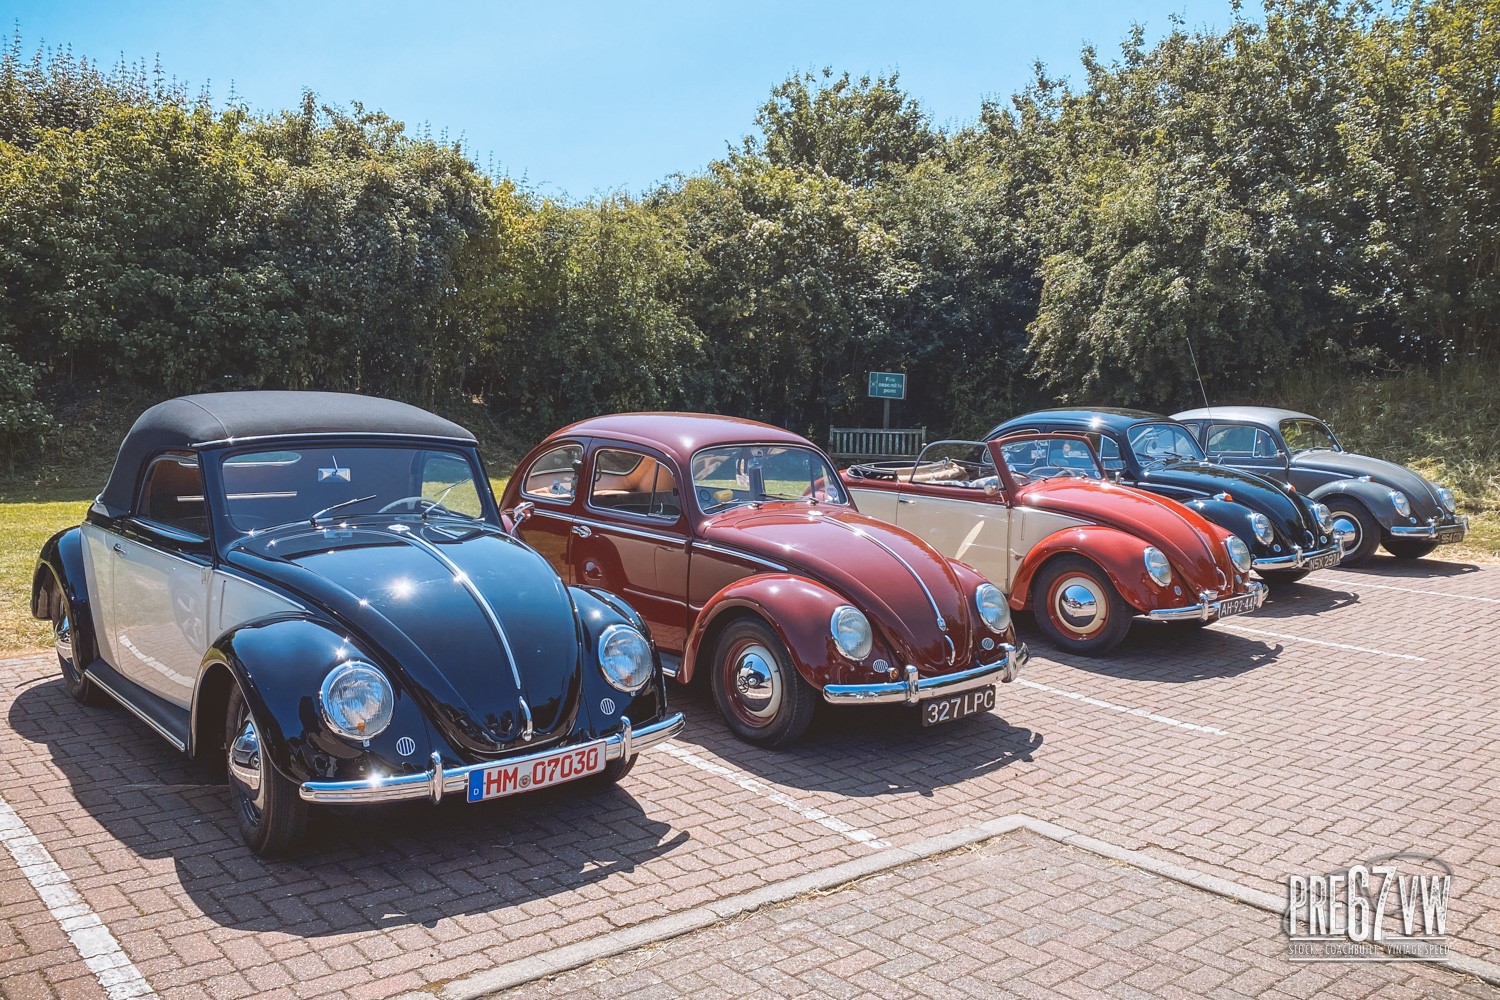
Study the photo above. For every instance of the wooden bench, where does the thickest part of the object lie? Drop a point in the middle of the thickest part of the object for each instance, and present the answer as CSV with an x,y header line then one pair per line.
x,y
875,442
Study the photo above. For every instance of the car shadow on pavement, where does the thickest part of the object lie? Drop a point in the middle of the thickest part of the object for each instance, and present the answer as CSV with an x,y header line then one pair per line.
x,y
1173,653
1301,600
360,868
870,750
1428,568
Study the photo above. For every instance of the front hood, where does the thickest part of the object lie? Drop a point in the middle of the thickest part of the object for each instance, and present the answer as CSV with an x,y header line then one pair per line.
x,y
887,572
1194,546
424,595
1423,496
1289,518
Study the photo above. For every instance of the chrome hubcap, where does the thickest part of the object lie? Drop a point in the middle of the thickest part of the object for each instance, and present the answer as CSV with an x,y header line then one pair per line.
x,y
1350,528
246,766
757,683
1078,606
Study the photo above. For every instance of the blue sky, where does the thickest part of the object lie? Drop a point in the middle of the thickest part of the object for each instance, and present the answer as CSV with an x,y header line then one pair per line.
x,y
582,98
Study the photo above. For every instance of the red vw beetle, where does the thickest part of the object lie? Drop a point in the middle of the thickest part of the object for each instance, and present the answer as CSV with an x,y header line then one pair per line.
x,y
747,560
1036,514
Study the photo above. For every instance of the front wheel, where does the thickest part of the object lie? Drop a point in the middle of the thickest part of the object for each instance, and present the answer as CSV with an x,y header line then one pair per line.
x,y
759,692
1407,548
1361,530
1079,608
270,814
75,681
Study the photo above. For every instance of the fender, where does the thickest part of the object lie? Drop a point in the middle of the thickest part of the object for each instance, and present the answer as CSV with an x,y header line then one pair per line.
x,y
597,610
1375,497
797,608
1121,555
1226,514
279,663
60,564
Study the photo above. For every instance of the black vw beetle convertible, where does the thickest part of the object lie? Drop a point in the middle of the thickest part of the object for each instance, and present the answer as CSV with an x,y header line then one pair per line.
x,y
317,590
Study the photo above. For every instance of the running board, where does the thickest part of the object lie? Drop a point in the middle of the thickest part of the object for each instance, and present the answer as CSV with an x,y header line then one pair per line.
x,y
173,724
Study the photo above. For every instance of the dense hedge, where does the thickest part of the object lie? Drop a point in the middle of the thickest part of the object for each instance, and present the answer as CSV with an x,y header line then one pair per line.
x,y
1317,184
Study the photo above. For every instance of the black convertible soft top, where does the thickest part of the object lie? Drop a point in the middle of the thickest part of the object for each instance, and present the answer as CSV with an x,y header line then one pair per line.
x,y
220,418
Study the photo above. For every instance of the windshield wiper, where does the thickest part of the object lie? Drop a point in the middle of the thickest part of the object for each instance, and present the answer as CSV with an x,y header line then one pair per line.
x,y
313,520
437,501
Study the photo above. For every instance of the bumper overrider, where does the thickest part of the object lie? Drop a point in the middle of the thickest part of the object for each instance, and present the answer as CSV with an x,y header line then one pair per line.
x,y
1298,558
1209,610
434,783
914,688
1432,529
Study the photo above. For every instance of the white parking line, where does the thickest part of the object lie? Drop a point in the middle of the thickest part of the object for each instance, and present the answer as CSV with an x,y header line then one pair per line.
x,y
1165,720
97,947
1321,642
1431,593
779,798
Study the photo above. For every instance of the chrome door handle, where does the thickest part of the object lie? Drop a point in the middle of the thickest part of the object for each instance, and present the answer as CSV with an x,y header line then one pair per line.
x,y
119,549
582,530
905,500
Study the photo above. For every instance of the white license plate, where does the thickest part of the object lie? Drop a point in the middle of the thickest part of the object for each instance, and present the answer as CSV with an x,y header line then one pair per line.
x,y
1236,605
956,706
539,772
1447,536
1323,561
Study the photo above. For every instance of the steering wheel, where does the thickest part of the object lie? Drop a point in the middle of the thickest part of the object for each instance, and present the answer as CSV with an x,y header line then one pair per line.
x,y
418,504
1043,471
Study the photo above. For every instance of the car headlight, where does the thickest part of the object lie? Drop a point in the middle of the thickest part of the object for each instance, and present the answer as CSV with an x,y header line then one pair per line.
x,y
1260,524
1157,566
851,632
1445,496
624,658
1402,505
357,700
1239,553
993,609
1324,516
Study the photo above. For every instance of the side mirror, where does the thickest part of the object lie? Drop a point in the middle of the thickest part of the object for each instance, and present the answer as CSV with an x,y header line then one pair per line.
x,y
518,515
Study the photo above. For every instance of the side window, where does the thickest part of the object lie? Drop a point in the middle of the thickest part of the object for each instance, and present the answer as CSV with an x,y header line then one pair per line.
x,y
554,475
1239,441
172,494
633,483
1109,452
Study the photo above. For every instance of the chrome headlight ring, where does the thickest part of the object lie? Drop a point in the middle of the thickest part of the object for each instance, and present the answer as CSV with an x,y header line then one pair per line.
x,y
625,658
1324,516
356,700
993,609
1445,497
1260,526
1239,553
1157,566
1401,503
851,632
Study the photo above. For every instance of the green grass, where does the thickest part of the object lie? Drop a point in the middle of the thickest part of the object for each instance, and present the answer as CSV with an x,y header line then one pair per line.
x,y
27,526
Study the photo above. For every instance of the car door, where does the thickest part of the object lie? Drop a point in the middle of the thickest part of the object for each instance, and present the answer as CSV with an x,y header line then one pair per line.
x,y
162,569
1247,448
551,484
965,523
632,537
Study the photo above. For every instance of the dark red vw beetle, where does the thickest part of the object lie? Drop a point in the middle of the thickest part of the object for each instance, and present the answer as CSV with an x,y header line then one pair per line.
x,y
741,549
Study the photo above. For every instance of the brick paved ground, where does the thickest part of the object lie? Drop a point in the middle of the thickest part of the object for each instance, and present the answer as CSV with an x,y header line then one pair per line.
x,y
1325,755
1020,916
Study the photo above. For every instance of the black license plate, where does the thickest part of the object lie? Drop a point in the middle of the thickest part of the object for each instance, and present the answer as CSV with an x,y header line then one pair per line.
x,y
1237,606
1447,536
1323,561
956,706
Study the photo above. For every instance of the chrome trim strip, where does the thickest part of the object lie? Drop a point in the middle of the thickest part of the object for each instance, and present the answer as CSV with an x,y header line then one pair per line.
x,y
133,710
456,779
1207,610
942,623
1298,558
737,554
462,579
309,435
912,689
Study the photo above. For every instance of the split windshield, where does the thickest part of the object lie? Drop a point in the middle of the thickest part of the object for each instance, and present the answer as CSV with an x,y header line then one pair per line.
x,y
1164,443
755,473
263,489
1308,435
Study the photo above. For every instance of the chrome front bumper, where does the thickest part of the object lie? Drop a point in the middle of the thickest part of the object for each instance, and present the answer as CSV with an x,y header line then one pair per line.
x,y
434,783
1431,530
913,689
1207,610
1298,558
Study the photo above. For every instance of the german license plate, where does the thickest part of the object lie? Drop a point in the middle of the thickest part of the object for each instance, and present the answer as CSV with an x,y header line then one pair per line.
x,y
1447,536
1323,561
956,706
1236,605
539,772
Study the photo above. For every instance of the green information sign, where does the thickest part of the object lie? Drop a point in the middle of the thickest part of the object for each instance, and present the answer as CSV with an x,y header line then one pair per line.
x,y
887,385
